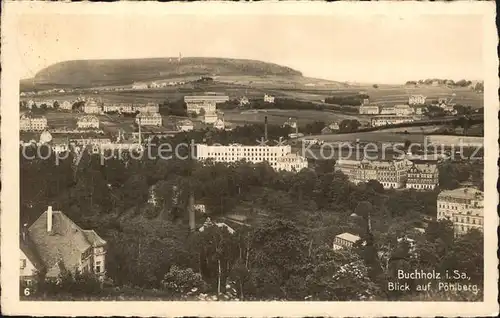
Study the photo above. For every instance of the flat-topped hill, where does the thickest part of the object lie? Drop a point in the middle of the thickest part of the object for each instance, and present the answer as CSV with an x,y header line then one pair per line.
x,y
86,73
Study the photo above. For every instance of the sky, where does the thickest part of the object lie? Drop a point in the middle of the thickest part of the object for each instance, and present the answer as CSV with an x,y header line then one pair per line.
x,y
378,49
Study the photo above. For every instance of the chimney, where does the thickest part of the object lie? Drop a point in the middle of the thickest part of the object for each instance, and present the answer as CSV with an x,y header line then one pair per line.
x,y
24,231
265,127
49,219
190,207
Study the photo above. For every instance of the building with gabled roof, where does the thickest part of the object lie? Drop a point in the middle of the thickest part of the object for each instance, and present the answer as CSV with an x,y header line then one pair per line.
x,y
149,119
88,121
416,99
422,176
63,245
31,266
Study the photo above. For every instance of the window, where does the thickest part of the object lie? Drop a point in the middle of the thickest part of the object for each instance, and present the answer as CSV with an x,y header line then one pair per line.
x,y
98,266
23,263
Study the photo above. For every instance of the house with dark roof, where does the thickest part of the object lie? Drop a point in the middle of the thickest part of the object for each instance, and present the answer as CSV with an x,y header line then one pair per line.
x,y
31,266
54,243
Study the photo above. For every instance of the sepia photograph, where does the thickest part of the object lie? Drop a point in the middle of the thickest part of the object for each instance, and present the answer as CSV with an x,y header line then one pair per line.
x,y
238,153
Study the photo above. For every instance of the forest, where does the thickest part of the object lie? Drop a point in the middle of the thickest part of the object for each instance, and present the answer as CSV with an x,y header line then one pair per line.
x,y
284,254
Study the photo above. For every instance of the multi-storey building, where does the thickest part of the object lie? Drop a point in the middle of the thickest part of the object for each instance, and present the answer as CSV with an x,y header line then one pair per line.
x,y
422,176
368,110
32,123
91,107
385,120
145,119
391,174
388,110
417,100
345,241
268,99
87,122
59,244
207,102
24,123
149,108
38,123
291,162
462,206
403,110
237,152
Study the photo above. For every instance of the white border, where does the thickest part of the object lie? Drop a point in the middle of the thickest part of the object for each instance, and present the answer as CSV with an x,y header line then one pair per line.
x,y
10,165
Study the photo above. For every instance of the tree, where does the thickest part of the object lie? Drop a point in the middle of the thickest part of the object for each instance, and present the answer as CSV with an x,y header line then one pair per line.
x,y
375,85
339,275
181,281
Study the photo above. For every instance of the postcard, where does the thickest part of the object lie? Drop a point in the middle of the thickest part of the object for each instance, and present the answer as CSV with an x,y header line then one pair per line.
x,y
249,159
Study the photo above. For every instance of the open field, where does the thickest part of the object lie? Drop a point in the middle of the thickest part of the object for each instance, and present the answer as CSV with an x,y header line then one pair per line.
x,y
279,116
279,86
371,137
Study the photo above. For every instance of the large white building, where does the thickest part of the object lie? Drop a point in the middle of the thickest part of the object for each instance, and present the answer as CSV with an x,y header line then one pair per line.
x,y
368,110
149,108
252,154
388,110
384,120
292,162
32,123
131,108
207,102
417,100
463,206
423,176
403,110
391,174
87,122
145,119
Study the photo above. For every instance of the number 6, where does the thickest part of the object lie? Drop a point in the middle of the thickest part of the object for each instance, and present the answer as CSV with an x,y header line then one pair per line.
x,y
27,292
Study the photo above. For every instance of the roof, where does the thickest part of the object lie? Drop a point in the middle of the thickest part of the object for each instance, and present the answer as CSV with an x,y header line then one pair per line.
x,y
292,155
209,223
425,167
463,193
88,118
66,242
141,115
185,122
29,250
349,237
